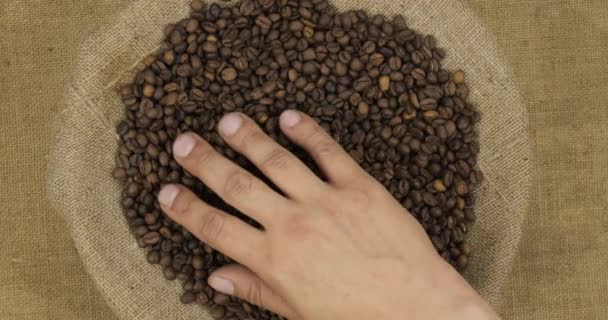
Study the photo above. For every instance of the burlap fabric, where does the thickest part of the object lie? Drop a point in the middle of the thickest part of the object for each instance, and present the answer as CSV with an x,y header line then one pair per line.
x,y
82,155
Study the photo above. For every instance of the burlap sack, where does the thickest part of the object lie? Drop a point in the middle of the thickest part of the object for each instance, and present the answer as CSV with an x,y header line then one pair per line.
x,y
82,155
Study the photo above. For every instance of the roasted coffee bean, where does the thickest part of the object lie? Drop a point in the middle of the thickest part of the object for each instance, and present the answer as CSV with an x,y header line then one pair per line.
x,y
119,174
187,297
375,85
153,257
229,74
220,298
384,83
458,77
218,312
151,238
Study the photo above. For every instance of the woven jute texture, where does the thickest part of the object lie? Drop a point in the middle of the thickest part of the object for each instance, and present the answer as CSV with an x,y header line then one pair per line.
x,y
82,155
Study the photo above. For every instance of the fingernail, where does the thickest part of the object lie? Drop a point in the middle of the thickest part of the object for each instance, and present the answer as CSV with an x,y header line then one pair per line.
x,y
290,118
230,124
222,285
167,195
183,145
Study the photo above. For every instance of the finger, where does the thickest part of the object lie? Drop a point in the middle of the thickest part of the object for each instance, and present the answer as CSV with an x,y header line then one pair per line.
x,y
284,169
337,165
232,183
243,283
216,228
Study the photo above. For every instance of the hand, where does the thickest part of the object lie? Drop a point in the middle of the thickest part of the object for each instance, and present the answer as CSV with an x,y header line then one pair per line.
x,y
342,249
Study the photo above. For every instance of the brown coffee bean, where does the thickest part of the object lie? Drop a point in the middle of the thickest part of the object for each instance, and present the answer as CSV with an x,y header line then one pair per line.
x,y
229,74
341,69
247,7
296,26
151,238
220,298
119,174
429,199
362,83
202,298
263,22
308,32
458,77
170,273
384,83
395,63
462,262
462,188
187,297
439,186
428,104
153,257
431,115
363,108
218,312
376,59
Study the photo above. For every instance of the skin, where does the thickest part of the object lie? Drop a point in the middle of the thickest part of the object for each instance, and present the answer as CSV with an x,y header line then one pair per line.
x,y
341,249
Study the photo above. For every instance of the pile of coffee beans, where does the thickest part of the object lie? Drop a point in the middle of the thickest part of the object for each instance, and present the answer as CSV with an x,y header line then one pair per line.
x,y
374,84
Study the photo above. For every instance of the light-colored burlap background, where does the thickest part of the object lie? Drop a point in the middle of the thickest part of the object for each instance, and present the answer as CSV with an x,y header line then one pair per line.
x,y
558,50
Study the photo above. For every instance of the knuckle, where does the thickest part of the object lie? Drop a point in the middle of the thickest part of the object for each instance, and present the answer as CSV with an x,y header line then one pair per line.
x,y
212,226
321,144
313,133
237,184
276,159
254,294
251,138
325,147
358,198
203,157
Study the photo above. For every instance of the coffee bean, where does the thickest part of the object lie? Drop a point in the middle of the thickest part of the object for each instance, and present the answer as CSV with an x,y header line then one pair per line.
x,y
395,63
153,257
133,189
362,83
428,104
363,108
187,297
458,77
151,238
439,186
384,83
376,59
374,85
229,74
246,7
169,273
119,174
220,298
429,199
296,26
218,312
264,23
202,298
462,262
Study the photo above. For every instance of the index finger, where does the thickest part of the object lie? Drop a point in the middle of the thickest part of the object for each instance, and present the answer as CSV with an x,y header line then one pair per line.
x,y
337,165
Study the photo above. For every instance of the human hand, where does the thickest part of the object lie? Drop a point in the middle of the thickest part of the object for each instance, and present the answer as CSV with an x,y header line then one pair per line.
x,y
341,249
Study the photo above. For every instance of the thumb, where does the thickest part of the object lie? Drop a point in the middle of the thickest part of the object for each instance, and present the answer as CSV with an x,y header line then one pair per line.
x,y
241,282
